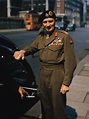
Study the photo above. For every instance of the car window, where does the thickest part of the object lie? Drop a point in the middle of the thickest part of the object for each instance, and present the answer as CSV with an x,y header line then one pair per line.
x,y
70,25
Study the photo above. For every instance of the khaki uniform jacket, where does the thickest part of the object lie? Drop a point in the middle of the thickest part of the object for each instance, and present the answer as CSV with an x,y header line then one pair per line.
x,y
57,49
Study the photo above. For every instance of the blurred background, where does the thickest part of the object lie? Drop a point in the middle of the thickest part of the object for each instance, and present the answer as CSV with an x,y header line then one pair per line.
x,y
18,21
12,12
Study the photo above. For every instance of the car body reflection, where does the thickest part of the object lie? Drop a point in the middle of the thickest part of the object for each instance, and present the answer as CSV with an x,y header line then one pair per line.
x,y
22,74
71,27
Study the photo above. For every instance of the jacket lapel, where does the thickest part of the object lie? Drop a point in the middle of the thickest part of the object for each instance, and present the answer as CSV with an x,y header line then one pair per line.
x,y
50,39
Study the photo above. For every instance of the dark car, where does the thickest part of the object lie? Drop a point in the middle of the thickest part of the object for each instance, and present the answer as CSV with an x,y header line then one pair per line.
x,y
61,25
21,74
71,27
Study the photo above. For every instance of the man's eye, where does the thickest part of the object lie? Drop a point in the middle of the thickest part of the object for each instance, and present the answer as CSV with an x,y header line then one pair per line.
x,y
44,22
50,21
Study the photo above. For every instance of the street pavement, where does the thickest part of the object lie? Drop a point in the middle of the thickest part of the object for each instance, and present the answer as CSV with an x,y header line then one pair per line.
x,y
12,30
77,98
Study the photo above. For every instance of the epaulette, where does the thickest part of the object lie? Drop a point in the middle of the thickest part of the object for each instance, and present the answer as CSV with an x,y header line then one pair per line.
x,y
41,31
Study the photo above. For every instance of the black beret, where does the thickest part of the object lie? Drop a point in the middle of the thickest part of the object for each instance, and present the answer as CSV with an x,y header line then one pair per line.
x,y
46,14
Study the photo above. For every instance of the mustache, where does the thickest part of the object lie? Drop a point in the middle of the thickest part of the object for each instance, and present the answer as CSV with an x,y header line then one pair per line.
x,y
48,27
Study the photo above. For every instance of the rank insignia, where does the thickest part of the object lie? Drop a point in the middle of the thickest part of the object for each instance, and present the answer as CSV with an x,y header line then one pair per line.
x,y
56,34
71,41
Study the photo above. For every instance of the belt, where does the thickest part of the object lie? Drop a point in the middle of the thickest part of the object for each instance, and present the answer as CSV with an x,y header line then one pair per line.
x,y
52,66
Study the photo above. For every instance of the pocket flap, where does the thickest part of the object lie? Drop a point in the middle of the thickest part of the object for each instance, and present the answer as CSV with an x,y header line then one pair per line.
x,y
55,48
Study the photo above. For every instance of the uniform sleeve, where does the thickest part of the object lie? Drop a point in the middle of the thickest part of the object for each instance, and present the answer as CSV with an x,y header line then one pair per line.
x,y
70,59
33,48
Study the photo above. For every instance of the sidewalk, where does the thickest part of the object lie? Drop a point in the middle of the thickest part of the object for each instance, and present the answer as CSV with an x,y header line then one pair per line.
x,y
77,97
11,30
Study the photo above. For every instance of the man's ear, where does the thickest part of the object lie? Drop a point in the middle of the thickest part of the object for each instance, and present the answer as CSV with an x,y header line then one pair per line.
x,y
42,26
56,20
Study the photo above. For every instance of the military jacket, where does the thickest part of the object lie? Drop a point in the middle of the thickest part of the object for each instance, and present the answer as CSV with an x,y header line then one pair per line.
x,y
55,50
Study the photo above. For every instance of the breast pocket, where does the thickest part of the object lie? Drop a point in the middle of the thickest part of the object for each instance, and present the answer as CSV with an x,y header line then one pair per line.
x,y
55,48
55,52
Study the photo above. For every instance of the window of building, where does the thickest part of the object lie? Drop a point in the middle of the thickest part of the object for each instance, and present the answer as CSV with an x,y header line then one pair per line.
x,y
58,10
58,4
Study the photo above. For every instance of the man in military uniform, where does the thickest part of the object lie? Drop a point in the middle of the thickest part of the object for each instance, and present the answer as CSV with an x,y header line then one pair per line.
x,y
58,62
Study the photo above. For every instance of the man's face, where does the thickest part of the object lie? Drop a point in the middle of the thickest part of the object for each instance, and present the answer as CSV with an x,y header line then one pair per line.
x,y
49,24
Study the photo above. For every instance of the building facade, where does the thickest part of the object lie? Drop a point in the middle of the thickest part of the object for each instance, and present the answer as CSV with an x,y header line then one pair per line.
x,y
87,15
9,8
3,8
73,9
38,5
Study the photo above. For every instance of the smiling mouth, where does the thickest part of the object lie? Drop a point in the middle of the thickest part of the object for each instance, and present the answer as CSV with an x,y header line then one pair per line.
x,y
48,27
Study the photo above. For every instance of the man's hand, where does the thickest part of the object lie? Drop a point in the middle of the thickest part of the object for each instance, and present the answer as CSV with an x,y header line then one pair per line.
x,y
22,92
64,89
19,55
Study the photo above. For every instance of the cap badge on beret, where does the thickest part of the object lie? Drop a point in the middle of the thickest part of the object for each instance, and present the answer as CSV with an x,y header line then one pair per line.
x,y
50,13
46,14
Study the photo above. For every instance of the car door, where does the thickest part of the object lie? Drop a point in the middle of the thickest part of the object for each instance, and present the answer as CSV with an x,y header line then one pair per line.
x,y
21,73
